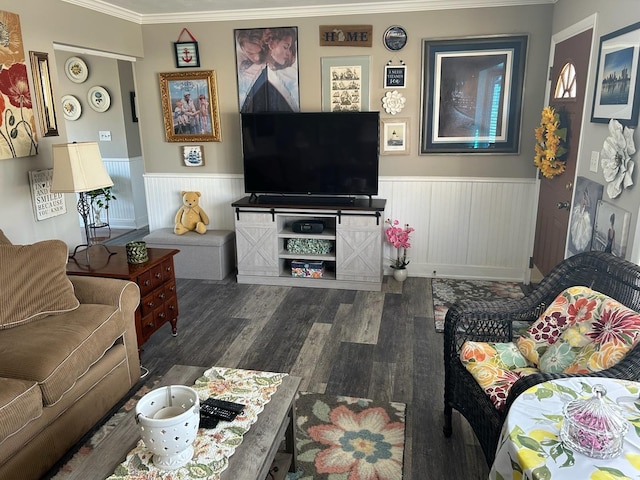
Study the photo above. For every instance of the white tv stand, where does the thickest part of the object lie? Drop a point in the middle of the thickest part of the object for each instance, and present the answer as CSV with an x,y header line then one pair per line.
x,y
355,230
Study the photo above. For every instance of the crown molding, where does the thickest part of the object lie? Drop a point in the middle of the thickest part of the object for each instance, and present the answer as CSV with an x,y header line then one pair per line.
x,y
296,11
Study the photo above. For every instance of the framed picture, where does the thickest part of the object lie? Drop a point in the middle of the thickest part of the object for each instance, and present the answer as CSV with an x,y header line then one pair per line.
x,y
134,107
190,106
611,229
472,94
44,93
394,138
617,90
345,84
187,55
586,195
193,155
395,76
267,69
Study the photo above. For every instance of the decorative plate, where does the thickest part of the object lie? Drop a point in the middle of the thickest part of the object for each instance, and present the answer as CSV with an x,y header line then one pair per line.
x,y
76,69
395,38
71,108
99,99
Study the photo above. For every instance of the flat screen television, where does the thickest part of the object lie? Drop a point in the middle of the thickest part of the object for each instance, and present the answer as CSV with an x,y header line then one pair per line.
x,y
328,154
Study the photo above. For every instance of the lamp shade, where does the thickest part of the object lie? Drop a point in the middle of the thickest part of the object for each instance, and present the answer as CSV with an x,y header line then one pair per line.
x,y
78,167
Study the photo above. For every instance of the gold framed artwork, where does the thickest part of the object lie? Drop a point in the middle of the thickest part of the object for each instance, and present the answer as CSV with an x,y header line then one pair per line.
x,y
190,106
394,138
44,93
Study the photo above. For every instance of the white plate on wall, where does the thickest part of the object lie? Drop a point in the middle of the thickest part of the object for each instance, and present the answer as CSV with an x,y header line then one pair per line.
x,y
76,70
71,108
99,99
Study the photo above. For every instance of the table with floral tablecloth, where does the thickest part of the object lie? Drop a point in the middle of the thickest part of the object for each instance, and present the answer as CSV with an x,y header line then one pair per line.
x,y
530,448
212,448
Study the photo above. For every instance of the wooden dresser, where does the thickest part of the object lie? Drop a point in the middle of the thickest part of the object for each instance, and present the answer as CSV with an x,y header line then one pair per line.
x,y
156,279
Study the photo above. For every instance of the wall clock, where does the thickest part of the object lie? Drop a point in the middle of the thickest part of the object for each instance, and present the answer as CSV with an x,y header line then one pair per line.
x,y
395,38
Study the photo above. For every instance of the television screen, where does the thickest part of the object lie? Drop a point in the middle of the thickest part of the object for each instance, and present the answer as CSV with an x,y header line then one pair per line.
x,y
314,153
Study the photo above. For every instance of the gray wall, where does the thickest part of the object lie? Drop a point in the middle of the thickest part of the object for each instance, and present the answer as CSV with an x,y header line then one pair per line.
x,y
217,52
44,22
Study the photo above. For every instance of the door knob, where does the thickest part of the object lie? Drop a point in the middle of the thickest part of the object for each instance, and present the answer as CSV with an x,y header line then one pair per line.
x,y
565,205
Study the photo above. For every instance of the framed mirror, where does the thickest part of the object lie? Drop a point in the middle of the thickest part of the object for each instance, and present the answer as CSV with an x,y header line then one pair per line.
x,y
44,93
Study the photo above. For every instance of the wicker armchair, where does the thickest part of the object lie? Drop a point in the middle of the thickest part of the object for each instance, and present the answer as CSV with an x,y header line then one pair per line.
x,y
492,321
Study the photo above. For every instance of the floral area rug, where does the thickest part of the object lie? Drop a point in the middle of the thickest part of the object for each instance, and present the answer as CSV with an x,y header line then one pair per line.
x,y
447,291
348,438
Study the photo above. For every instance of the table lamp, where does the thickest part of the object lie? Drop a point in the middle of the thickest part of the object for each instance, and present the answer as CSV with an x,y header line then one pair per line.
x,y
78,168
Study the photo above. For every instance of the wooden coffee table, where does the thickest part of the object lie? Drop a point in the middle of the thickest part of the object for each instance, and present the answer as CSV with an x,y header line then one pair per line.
x,y
252,458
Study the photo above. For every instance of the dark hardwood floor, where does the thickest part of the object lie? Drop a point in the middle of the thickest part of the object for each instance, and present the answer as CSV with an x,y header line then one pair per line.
x,y
380,345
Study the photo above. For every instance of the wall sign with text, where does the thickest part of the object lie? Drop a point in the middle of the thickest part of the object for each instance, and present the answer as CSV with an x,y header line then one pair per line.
x,y
395,76
346,35
45,203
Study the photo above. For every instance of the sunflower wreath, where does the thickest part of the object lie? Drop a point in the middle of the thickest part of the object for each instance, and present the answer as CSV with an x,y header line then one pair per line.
x,y
549,146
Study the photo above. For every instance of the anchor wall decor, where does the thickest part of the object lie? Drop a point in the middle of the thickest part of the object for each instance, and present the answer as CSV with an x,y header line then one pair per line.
x,y
186,52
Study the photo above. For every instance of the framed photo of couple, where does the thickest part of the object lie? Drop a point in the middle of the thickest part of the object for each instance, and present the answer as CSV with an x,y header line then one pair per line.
x,y
190,106
267,69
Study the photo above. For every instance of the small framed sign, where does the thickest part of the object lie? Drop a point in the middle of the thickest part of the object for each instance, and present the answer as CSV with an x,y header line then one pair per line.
x,y
186,52
395,76
193,156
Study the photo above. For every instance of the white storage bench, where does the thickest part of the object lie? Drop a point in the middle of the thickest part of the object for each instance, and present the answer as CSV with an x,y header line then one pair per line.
x,y
207,257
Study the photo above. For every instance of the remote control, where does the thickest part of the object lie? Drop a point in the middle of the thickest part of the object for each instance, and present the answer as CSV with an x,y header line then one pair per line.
x,y
232,406
208,422
217,412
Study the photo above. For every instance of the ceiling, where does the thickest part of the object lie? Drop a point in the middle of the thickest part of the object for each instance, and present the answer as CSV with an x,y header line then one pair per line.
x,y
174,11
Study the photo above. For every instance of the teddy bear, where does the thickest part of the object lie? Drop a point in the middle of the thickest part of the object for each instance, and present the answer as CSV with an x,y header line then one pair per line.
x,y
190,216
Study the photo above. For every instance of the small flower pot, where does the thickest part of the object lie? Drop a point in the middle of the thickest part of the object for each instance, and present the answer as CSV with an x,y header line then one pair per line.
x,y
400,274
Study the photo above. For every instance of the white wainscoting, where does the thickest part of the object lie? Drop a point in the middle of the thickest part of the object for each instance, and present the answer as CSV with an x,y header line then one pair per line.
x,y
129,209
478,228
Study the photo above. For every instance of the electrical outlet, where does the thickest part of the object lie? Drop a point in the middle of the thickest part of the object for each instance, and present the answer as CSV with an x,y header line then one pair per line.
x,y
105,136
595,158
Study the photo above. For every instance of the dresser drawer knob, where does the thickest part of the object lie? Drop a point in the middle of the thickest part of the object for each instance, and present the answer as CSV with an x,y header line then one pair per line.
x,y
161,315
162,296
147,283
150,304
158,275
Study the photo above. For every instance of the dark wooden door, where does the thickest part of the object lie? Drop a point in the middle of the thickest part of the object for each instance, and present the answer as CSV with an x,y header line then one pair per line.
x,y
567,98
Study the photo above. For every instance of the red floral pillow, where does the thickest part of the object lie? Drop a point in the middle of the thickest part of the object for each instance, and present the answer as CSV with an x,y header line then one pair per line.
x,y
573,305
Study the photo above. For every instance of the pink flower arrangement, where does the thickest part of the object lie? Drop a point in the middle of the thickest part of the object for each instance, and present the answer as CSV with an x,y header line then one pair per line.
x,y
399,238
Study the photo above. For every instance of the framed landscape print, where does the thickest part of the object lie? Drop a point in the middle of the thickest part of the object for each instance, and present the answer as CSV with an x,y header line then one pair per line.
x,y
617,90
472,94
190,106
345,84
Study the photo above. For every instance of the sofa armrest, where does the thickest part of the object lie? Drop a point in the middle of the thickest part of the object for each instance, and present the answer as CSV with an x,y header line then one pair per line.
x,y
106,291
122,294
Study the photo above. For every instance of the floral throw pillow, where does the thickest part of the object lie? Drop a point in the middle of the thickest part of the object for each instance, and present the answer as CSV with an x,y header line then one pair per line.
x,y
597,343
574,305
496,367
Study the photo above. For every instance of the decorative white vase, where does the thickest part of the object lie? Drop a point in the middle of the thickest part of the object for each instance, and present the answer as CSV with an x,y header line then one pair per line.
x,y
169,418
400,274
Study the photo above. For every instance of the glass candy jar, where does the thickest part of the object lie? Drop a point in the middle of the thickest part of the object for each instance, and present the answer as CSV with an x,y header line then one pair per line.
x,y
594,426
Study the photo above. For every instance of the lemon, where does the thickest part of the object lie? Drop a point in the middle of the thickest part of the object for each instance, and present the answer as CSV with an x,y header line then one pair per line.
x,y
529,459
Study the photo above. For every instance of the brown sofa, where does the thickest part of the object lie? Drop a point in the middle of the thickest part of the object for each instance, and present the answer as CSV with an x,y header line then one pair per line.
x,y
68,354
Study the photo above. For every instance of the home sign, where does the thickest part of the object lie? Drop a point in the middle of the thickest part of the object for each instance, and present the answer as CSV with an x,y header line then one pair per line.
x,y
346,35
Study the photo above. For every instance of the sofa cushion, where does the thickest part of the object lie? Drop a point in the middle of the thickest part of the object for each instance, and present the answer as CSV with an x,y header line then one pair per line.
x,y
3,239
496,367
56,351
33,282
573,305
20,403
597,343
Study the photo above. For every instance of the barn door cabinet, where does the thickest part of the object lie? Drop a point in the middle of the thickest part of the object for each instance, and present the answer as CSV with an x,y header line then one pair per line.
x,y
351,239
